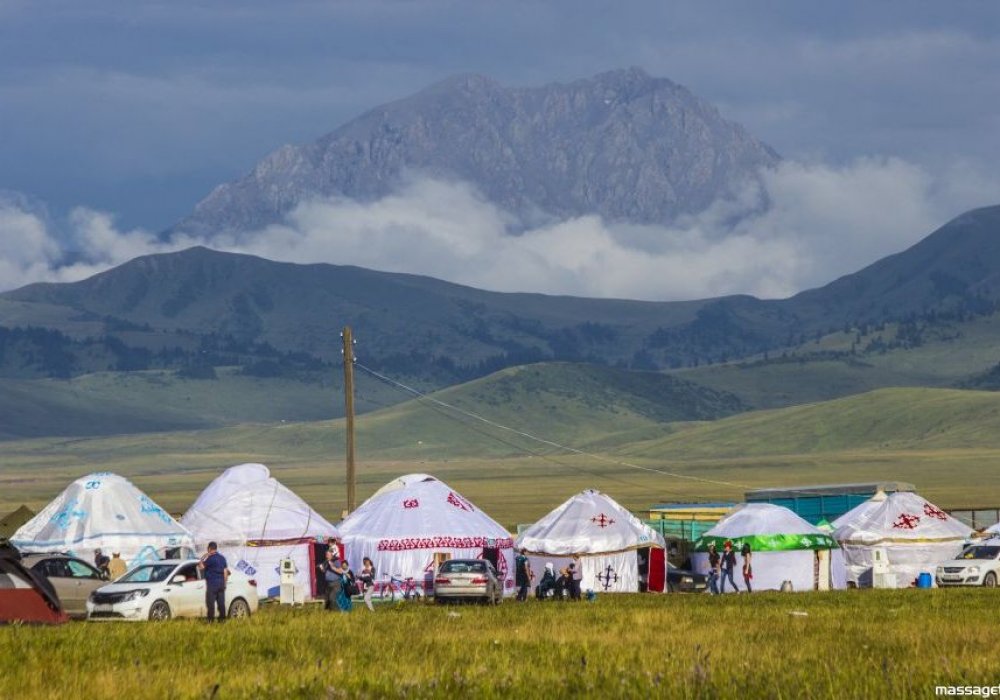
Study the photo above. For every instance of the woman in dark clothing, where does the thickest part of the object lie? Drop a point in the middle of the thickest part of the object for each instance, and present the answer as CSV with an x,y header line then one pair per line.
x,y
321,586
564,584
333,575
548,582
728,565
747,568
347,587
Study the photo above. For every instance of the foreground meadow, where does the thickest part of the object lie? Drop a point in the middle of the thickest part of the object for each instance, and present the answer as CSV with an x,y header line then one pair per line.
x,y
847,644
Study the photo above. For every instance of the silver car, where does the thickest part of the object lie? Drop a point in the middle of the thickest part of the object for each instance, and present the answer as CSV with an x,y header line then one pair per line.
x,y
467,579
977,565
73,579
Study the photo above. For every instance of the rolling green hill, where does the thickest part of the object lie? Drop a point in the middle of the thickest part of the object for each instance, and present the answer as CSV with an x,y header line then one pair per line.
x,y
563,397
886,419
947,442
938,354
112,403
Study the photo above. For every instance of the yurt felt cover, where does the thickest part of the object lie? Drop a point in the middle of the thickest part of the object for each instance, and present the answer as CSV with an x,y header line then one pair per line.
x,y
768,528
406,522
904,518
860,511
782,543
102,510
588,523
601,531
257,521
915,534
246,504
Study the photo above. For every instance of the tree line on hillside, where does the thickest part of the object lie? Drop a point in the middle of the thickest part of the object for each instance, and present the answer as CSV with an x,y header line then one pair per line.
x,y
718,334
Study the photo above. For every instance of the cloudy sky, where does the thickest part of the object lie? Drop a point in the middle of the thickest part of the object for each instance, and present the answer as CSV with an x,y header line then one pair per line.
x,y
117,118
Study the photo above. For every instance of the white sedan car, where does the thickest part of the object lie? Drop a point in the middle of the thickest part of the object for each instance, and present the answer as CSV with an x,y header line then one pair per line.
x,y
168,588
977,565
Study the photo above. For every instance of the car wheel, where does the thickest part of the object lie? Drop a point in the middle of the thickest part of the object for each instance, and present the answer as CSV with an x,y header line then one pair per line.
x,y
671,588
159,611
990,580
239,608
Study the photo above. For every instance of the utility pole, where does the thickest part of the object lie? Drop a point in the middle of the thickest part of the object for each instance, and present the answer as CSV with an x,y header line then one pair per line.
x,y
349,414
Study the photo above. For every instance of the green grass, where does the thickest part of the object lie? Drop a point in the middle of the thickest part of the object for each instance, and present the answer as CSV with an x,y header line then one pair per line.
x,y
952,352
849,644
947,442
111,403
887,419
569,398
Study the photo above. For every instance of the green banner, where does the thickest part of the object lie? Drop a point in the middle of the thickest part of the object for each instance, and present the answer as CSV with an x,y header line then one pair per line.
x,y
768,543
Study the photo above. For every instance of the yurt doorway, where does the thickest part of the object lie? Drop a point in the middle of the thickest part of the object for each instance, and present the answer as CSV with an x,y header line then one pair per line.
x,y
492,555
654,577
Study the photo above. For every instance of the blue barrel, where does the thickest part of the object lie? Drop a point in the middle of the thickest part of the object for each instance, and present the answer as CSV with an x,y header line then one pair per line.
x,y
924,580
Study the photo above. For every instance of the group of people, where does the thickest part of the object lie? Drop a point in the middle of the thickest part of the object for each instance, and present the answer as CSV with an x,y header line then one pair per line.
x,y
721,566
567,582
111,568
341,583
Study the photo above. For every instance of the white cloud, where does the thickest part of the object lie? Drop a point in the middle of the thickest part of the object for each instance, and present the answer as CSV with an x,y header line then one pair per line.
x,y
819,223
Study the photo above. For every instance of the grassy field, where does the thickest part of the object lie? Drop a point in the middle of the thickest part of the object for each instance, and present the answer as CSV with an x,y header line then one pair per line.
x,y
114,403
946,442
807,645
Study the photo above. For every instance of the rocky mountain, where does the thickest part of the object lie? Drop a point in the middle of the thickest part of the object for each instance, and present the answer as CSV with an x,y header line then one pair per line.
x,y
622,144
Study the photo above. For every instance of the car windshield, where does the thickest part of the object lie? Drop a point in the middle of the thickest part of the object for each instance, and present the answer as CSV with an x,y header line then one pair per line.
x,y
463,567
149,573
980,551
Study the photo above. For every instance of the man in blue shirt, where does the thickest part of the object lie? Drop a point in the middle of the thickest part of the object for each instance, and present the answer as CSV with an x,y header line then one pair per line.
x,y
216,573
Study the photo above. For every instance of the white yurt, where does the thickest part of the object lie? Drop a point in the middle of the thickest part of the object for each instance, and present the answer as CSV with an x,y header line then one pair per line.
x,y
785,548
605,535
415,521
106,511
257,522
913,534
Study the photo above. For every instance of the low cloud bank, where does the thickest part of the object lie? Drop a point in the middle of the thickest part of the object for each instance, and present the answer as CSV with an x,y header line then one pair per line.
x,y
803,225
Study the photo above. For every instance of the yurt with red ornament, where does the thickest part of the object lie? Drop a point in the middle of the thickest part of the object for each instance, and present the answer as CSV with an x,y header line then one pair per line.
x,y
413,523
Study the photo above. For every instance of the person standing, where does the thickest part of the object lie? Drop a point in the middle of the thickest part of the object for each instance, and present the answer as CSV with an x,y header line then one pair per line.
x,y
117,566
576,569
101,561
714,569
522,575
728,565
347,587
747,568
367,577
333,575
216,572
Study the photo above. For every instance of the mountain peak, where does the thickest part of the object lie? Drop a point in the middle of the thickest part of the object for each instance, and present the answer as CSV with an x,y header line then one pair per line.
x,y
470,82
622,144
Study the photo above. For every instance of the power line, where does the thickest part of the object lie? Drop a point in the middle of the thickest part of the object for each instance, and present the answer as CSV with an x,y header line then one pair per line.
x,y
535,438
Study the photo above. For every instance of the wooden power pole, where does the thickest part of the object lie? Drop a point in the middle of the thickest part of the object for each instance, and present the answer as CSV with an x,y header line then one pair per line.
x,y
349,415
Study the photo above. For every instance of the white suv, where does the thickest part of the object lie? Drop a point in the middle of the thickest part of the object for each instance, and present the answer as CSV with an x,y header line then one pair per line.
x,y
977,565
167,588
